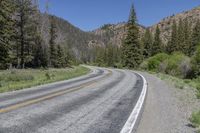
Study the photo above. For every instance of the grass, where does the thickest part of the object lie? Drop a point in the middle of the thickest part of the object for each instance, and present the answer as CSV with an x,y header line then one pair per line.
x,y
11,80
195,120
182,83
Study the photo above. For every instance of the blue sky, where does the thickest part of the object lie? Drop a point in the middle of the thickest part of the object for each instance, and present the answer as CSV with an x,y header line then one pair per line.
x,y
91,14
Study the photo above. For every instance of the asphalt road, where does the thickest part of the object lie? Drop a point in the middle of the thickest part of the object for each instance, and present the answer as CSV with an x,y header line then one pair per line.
x,y
100,102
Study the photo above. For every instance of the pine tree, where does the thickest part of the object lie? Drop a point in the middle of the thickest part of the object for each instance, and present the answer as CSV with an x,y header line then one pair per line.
x,y
147,42
173,42
25,27
99,57
40,54
40,51
6,31
131,49
60,57
110,55
195,38
157,44
180,36
52,44
187,38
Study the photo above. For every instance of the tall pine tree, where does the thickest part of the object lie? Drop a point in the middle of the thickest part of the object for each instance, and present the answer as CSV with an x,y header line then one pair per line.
x,y
26,28
157,44
180,36
172,45
187,37
6,31
52,43
40,52
131,49
147,42
195,38
60,57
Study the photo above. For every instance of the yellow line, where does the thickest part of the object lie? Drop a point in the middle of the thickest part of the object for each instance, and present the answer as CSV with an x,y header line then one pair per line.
x,y
56,94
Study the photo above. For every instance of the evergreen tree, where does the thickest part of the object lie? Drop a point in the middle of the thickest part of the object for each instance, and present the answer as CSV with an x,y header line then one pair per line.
x,y
147,42
157,44
26,28
173,42
52,44
131,49
187,38
61,57
180,36
195,38
6,31
40,54
110,55
99,59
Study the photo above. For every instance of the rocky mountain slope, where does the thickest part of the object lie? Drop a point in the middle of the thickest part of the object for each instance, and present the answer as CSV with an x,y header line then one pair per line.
x,y
81,42
118,31
165,25
114,33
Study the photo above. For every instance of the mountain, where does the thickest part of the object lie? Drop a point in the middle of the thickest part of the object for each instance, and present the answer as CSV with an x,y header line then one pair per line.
x,y
81,43
68,35
165,24
114,33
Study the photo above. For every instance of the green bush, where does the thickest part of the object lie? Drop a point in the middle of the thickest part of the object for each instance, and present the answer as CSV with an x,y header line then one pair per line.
x,y
198,90
176,64
49,76
153,63
195,119
196,62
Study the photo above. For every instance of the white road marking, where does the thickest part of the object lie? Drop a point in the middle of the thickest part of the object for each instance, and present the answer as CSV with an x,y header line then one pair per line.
x,y
131,122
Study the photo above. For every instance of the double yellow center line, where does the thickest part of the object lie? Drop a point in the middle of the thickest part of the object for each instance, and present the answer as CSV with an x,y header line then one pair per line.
x,y
50,96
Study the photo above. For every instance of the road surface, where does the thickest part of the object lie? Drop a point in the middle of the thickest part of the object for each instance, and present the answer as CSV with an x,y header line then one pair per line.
x,y
100,102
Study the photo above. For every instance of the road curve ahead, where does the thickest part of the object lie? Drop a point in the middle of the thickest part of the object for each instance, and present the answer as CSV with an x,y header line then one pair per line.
x,y
100,102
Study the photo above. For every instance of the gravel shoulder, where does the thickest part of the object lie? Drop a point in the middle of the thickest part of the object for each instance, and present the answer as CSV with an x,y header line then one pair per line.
x,y
167,108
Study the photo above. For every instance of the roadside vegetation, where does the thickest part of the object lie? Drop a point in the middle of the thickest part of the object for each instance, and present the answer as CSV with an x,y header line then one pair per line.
x,y
11,80
27,58
195,119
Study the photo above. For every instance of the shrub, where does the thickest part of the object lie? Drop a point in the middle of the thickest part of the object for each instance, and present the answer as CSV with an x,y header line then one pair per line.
x,y
195,119
178,65
198,90
196,62
153,63
49,75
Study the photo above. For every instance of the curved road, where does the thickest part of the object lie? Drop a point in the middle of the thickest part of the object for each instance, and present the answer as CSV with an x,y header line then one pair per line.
x,y
100,102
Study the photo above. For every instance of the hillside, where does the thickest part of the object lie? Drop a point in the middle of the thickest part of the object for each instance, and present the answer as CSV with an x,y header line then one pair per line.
x,y
81,42
67,35
115,33
166,23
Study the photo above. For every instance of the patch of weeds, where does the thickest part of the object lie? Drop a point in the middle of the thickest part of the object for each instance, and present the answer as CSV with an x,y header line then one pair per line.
x,y
1,84
198,91
179,85
13,71
19,77
49,76
187,81
195,119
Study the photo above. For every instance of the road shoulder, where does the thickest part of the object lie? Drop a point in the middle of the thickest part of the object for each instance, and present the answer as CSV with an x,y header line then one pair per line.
x,y
165,110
